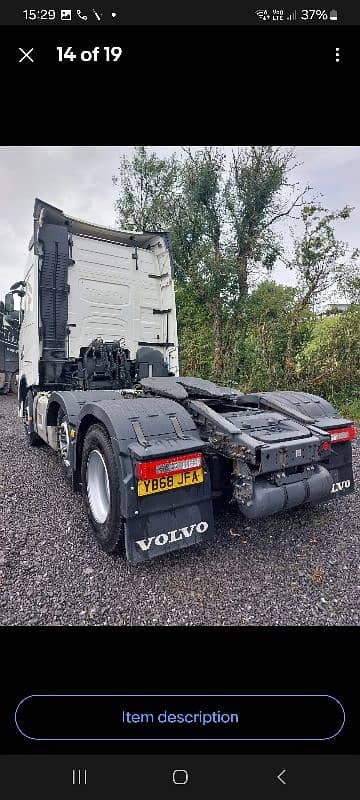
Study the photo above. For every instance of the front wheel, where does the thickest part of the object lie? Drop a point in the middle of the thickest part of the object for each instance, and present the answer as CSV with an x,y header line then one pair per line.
x,y
28,410
63,432
101,490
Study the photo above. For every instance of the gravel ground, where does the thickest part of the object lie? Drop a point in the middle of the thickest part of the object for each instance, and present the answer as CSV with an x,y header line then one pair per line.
x,y
299,568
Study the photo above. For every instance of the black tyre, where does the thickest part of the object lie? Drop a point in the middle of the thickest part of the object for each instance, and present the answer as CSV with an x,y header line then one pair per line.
x,y
64,443
100,487
32,437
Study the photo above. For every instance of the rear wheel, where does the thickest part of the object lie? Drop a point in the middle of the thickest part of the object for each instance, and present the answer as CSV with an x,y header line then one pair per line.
x,y
101,491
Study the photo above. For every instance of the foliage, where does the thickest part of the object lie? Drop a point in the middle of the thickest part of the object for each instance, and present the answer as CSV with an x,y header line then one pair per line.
x,y
267,321
258,194
222,219
196,342
147,187
349,279
329,364
319,257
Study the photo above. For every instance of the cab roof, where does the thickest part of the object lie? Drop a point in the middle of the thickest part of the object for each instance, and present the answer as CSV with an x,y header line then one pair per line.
x,y
44,212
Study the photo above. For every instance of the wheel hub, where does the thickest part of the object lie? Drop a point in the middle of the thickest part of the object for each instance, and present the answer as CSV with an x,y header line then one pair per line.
x,y
64,443
98,486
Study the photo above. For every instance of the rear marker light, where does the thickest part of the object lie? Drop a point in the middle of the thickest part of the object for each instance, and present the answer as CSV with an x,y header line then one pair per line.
x,y
146,470
343,434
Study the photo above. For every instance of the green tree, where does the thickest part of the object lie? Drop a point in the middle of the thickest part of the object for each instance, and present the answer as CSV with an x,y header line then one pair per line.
x,y
329,363
259,194
318,260
147,190
204,264
260,344
349,278
220,221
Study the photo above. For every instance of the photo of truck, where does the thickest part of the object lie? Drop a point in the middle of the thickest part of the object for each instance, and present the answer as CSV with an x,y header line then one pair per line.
x,y
153,451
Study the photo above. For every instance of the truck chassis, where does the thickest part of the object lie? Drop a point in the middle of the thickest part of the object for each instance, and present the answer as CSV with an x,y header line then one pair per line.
x,y
152,460
151,450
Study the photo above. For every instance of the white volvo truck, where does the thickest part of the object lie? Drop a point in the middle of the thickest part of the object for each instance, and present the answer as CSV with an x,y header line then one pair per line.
x,y
151,450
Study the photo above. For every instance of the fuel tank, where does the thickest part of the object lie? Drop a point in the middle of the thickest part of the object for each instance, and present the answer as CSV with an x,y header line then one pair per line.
x,y
269,498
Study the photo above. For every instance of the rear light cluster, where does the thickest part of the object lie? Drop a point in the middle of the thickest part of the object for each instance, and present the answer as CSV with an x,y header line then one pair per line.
x,y
338,435
343,434
146,470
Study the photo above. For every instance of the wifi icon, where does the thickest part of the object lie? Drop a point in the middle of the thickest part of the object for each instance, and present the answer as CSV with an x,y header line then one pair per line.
x,y
263,14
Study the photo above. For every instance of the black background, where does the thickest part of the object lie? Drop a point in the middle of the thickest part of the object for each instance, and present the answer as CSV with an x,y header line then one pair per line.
x,y
225,86
174,660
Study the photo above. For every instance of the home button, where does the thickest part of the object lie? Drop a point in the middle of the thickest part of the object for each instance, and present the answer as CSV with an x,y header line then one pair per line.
x,y
180,777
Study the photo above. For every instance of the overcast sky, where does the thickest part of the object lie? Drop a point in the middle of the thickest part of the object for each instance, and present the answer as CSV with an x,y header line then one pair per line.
x,y
79,181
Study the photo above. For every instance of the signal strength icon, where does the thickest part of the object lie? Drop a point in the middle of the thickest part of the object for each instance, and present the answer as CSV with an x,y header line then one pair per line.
x,y
263,14
291,17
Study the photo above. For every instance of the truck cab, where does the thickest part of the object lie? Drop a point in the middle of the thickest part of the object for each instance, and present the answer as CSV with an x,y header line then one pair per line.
x,y
87,283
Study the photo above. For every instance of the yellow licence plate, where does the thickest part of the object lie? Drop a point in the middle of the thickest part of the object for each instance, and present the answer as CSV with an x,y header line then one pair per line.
x,y
191,477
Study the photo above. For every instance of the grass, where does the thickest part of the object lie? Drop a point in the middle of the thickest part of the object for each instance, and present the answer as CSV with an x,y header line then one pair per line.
x,y
350,410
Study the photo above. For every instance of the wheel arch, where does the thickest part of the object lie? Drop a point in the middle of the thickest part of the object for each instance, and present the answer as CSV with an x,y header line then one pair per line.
x,y
87,421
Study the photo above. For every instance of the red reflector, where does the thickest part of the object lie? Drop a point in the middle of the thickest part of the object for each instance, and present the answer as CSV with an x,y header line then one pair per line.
x,y
343,434
325,446
145,470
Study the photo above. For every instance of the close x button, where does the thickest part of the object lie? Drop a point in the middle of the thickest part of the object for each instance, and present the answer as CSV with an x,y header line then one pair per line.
x,y
25,55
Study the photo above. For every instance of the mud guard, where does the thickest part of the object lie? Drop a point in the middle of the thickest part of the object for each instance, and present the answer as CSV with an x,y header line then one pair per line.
x,y
142,429
158,533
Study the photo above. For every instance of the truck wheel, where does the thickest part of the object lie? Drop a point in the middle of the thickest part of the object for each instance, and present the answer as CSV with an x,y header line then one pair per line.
x,y
100,487
64,444
32,437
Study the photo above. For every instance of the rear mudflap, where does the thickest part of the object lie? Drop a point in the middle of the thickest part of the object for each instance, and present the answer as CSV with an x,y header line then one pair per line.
x,y
343,481
161,532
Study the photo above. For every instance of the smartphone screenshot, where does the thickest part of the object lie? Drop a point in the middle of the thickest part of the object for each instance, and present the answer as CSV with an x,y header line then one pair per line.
x,y
179,402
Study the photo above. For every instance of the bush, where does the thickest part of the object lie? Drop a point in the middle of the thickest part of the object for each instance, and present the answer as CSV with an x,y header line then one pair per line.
x,y
266,321
255,337
329,364
195,335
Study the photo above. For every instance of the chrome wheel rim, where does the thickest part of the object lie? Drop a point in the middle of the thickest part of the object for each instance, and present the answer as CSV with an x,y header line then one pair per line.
x,y
64,443
98,486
